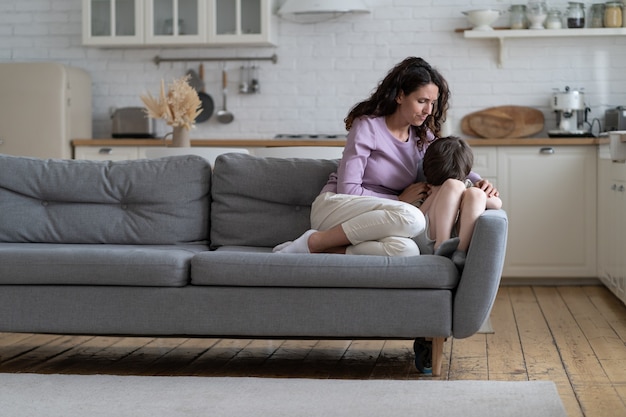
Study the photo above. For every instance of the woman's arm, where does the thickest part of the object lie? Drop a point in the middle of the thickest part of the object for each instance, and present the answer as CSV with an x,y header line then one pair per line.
x,y
360,143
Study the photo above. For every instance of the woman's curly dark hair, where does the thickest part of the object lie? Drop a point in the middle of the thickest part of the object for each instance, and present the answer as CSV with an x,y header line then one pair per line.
x,y
407,76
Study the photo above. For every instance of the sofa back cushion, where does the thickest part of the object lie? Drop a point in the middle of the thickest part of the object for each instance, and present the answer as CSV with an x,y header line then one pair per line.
x,y
157,201
264,201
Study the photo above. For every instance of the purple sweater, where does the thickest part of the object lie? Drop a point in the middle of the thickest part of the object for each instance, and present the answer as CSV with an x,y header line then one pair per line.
x,y
375,163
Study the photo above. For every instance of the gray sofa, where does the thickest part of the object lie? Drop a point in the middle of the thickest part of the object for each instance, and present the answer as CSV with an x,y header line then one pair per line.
x,y
169,247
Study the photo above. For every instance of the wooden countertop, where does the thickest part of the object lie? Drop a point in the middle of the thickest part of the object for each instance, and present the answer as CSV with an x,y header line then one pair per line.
x,y
326,142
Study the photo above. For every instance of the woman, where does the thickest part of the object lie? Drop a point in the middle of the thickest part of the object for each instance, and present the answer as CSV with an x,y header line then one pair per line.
x,y
365,208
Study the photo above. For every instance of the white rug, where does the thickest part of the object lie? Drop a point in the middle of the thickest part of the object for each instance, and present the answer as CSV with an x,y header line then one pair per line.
x,y
32,395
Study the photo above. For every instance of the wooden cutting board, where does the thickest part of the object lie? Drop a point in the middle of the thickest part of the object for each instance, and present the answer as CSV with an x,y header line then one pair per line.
x,y
503,122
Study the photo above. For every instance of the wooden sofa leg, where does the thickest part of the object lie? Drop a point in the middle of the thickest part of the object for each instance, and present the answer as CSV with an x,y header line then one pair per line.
x,y
437,358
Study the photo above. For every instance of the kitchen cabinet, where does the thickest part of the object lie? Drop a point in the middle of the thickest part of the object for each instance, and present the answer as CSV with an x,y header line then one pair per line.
x,y
549,193
486,163
241,22
611,225
107,153
175,22
178,22
113,22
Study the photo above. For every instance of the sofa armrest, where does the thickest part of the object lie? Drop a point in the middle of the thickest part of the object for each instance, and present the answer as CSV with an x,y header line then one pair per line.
x,y
481,276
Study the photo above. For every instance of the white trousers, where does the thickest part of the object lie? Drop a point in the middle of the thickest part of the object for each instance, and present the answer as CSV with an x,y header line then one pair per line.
x,y
374,226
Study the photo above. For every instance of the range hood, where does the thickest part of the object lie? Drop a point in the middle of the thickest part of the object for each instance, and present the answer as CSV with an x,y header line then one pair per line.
x,y
312,11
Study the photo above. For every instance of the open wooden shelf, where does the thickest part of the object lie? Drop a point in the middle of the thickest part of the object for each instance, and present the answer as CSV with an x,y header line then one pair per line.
x,y
501,34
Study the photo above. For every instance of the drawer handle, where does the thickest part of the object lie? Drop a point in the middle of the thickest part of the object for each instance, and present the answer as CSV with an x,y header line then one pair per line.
x,y
620,189
105,151
614,187
546,151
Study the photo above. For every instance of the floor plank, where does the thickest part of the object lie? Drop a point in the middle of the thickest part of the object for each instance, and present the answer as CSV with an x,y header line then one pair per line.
x,y
595,394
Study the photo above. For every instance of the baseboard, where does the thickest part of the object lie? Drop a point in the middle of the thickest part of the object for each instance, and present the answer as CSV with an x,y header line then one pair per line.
x,y
550,281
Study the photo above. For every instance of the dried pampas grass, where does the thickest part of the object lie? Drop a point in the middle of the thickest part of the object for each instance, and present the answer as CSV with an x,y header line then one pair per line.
x,y
179,107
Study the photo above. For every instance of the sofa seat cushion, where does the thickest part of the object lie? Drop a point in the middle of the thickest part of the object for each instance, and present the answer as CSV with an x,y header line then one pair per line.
x,y
146,201
237,267
80,264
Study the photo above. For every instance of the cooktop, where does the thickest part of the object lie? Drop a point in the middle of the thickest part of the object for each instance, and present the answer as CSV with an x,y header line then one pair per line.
x,y
310,136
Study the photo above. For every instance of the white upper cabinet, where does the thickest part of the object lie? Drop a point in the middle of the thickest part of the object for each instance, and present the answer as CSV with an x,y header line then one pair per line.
x,y
113,22
177,22
241,22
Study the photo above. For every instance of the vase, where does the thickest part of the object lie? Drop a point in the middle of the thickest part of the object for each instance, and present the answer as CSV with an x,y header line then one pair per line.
x,y
180,137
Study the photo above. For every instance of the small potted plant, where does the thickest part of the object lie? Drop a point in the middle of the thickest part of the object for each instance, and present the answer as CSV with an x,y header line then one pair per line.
x,y
179,107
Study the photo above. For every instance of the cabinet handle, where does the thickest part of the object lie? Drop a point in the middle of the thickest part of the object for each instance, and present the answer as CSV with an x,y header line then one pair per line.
x,y
620,189
614,187
546,151
105,151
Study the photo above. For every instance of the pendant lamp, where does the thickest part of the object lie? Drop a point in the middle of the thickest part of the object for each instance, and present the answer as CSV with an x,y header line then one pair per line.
x,y
312,11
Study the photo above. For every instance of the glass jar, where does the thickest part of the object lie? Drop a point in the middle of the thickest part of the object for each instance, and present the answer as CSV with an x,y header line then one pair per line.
x,y
536,13
575,15
553,21
517,13
596,15
613,14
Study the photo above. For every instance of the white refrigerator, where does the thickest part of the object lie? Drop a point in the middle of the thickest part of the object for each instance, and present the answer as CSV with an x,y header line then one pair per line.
x,y
43,106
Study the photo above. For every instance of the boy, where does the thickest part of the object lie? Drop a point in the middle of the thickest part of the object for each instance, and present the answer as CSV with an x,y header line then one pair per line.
x,y
447,163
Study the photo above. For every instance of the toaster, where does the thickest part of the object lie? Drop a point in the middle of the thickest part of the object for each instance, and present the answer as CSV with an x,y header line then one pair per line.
x,y
132,122
615,119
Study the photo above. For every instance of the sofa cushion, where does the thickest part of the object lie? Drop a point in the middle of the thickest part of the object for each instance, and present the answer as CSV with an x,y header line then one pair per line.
x,y
81,264
264,201
237,267
159,201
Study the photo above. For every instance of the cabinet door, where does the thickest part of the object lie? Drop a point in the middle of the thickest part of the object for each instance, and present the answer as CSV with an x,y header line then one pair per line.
x,y
106,153
616,267
550,196
175,22
486,163
240,21
113,22
605,230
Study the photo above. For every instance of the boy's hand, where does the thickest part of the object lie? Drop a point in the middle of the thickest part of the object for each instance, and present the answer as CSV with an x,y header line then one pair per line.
x,y
488,188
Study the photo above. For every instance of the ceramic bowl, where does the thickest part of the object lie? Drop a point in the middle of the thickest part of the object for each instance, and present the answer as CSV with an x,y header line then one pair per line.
x,y
483,18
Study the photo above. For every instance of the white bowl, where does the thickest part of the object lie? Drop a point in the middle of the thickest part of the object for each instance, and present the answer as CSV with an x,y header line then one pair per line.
x,y
483,18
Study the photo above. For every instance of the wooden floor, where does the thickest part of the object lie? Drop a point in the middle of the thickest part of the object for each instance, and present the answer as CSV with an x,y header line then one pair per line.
x,y
574,336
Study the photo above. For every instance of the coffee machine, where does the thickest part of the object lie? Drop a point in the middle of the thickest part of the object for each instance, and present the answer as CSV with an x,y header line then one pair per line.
x,y
571,113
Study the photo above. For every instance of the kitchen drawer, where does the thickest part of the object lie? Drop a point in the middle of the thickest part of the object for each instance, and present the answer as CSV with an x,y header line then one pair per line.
x,y
106,153
618,170
486,161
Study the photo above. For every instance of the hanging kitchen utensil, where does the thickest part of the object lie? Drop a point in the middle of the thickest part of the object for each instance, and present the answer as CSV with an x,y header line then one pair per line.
x,y
194,80
206,101
244,80
224,116
255,87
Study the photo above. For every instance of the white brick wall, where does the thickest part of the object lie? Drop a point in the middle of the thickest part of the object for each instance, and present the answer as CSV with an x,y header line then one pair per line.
x,y
325,68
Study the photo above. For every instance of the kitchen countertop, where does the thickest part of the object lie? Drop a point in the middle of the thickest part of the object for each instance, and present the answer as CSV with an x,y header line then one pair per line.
x,y
329,142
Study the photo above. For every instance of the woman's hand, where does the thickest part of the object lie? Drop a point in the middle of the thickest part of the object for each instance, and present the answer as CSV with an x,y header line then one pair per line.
x,y
415,192
488,188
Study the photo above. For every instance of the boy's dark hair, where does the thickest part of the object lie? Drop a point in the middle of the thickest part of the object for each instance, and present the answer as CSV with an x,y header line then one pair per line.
x,y
449,157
